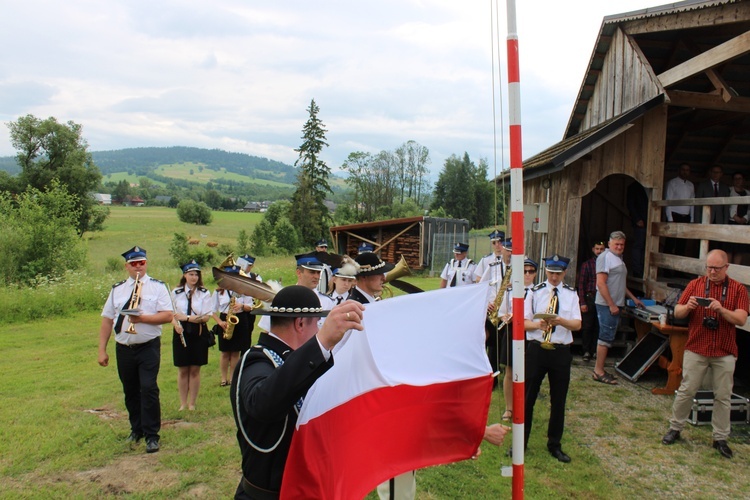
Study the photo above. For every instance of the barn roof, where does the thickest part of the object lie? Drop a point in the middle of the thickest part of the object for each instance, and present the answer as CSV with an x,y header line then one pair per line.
x,y
709,109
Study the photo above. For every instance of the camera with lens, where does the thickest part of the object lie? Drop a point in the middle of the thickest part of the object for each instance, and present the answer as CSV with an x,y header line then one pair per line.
x,y
711,323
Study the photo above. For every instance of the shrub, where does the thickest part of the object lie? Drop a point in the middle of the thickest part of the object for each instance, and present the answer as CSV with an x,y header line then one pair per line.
x,y
38,235
194,212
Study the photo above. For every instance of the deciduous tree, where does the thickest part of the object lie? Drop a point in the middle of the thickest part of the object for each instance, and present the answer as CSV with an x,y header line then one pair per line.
x,y
47,151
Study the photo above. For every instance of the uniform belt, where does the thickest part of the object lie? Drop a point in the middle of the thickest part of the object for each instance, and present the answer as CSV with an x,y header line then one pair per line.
x,y
139,345
554,343
257,493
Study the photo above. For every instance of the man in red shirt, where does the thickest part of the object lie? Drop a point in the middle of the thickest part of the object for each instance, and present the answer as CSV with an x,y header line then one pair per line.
x,y
715,304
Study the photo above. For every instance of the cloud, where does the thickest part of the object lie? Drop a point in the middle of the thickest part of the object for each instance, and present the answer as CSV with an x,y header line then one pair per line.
x,y
240,74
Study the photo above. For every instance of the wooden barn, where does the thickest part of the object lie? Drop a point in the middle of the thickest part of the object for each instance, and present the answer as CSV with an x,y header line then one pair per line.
x,y
664,86
418,239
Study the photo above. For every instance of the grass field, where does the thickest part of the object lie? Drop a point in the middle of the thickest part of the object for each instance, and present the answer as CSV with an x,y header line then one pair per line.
x,y
63,421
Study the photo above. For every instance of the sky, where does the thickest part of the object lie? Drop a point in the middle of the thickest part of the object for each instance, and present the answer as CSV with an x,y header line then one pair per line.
x,y
239,75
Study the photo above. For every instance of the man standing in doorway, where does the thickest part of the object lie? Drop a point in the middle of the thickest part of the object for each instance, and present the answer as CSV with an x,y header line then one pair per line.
x,y
713,188
587,301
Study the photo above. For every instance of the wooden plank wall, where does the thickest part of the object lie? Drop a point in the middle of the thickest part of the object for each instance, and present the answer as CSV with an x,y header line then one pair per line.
x,y
626,80
637,153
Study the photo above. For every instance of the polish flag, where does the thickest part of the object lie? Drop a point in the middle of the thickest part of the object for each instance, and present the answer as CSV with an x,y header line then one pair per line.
x,y
410,391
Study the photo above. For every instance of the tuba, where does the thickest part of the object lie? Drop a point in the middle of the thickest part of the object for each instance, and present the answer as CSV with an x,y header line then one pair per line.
x,y
401,270
135,300
547,334
493,316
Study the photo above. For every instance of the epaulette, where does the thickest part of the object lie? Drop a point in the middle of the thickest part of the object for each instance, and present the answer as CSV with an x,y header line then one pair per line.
x,y
469,261
565,285
539,286
200,288
158,281
118,284
496,263
179,290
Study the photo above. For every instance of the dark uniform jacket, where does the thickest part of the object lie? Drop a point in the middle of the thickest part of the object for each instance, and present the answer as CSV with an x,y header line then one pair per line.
x,y
268,396
357,295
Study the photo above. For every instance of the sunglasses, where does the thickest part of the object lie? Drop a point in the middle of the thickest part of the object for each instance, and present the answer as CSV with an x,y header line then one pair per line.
x,y
137,263
529,271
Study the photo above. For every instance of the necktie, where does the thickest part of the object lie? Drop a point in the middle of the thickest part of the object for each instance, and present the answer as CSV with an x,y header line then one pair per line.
x,y
716,189
121,317
339,299
455,275
189,304
557,305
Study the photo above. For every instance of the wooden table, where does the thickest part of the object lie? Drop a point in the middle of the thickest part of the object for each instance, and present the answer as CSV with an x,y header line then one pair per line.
x,y
678,336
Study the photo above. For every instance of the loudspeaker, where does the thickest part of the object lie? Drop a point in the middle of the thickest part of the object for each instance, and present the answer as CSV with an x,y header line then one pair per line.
x,y
643,355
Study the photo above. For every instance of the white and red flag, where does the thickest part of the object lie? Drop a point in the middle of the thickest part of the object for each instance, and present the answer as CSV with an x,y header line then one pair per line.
x,y
410,391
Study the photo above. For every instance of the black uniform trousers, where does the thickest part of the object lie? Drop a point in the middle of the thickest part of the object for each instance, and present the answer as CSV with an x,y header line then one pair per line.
x,y
589,326
138,367
555,364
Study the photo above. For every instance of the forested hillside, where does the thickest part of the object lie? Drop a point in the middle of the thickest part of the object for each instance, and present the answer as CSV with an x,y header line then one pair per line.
x,y
143,161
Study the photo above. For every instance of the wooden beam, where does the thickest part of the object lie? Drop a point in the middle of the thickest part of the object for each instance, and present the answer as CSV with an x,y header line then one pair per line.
x,y
709,59
697,266
715,102
696,231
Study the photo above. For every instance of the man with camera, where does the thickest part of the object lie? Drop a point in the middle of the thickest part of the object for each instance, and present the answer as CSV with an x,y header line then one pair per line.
x,y
714,305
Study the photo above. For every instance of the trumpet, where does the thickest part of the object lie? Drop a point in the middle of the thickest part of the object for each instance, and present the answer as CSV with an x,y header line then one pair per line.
x,y
135,300
547,334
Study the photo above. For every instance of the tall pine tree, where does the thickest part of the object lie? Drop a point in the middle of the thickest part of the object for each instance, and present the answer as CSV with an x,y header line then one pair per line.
x,y
308,213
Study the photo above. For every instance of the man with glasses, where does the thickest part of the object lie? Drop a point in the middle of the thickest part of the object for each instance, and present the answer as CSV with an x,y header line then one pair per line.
x,y
138,351
715,304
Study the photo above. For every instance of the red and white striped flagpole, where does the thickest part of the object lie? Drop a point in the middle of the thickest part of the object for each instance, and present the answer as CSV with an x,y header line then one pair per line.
x,y
516,207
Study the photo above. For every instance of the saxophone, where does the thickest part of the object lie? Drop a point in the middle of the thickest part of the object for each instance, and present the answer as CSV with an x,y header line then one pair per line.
x,y
493,316
135,301
232,319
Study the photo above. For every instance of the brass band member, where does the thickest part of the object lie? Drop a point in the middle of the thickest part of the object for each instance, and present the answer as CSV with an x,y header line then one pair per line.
x,y
459,270
193,308
226,301
506,342
138,354
493,268
559,302
344,280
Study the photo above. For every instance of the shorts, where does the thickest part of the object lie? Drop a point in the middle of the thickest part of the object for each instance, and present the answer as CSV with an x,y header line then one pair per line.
x,y
608,324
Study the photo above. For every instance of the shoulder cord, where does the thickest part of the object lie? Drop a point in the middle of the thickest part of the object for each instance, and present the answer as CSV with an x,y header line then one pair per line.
x,y
277,361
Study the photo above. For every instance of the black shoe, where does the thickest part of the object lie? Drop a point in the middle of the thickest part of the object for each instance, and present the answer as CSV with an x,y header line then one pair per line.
x,y
134,437
560,455
586,357
671,436
152,445
723,448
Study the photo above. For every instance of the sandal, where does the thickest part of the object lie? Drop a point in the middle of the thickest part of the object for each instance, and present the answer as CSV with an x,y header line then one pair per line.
x,y
507,416
605,378
223,383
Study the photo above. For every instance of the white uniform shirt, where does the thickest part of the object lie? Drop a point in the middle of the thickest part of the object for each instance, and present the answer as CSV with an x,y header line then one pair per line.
x,y
679,189
220,301
201,302
484,264
463,270
154,298
538,301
